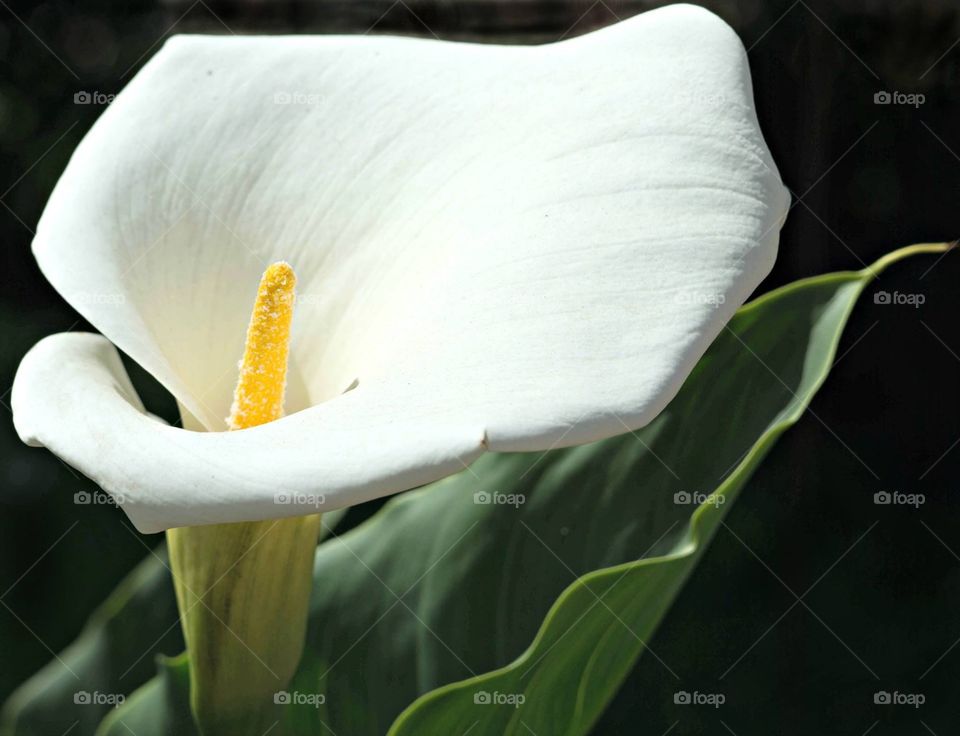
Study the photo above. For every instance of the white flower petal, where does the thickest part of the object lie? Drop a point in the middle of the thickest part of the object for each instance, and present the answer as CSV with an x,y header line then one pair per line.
x,y
353,448
529,244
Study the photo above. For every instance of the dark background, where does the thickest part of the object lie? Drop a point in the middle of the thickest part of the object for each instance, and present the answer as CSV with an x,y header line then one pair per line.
x,y
866,178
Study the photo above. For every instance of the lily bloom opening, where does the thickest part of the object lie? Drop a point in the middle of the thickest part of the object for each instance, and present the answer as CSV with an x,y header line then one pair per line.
x,y
236,582
501,248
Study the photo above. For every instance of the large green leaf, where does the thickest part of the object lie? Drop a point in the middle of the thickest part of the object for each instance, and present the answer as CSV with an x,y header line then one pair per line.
x,y
160,706
445,599
113,655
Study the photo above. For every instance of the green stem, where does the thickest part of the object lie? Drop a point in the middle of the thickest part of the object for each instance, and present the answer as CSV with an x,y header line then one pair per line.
x,y
243,591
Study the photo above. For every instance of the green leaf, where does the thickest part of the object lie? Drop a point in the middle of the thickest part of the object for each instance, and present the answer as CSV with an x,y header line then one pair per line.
x,y
753,383
113,655
162,706
495,572
441,598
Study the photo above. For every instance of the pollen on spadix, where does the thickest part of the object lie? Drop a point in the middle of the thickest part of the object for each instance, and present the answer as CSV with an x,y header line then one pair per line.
x,y
258,398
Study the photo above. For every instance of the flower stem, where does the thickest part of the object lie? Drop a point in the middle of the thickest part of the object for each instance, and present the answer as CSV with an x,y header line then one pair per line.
x,y
243,592
243,589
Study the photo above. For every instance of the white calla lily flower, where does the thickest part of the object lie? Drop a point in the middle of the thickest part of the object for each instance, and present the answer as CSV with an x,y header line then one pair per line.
x,y
497,249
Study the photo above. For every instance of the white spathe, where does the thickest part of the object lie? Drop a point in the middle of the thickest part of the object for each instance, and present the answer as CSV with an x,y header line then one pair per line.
x,y
508,248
